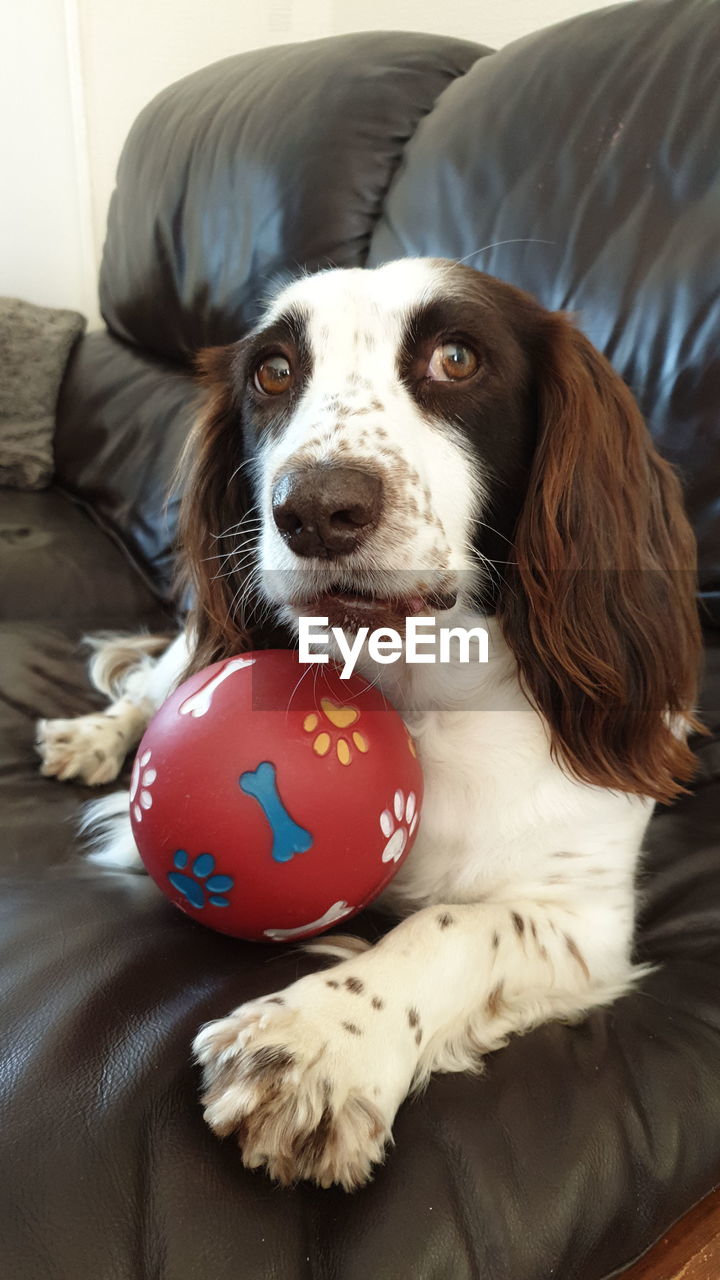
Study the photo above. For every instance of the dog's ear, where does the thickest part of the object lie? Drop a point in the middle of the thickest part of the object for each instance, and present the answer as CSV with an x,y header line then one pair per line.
x,y
600,607
215,553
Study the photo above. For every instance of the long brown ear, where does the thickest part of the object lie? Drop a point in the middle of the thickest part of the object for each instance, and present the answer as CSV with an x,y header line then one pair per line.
x,y
215,551
600,606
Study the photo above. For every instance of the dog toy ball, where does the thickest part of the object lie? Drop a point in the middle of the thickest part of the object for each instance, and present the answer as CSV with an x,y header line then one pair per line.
x,y
270,800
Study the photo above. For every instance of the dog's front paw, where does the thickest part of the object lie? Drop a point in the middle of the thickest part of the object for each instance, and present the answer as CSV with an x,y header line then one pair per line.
x,y
91,748
308,1079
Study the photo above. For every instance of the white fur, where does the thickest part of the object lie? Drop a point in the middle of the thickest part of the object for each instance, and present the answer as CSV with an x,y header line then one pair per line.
x,y
519,891
347,310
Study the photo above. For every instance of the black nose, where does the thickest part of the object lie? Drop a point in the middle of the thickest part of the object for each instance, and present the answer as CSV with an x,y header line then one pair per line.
x,y
327,511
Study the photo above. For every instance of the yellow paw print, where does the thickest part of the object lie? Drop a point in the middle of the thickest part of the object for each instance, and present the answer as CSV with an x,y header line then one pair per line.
x,y
338,718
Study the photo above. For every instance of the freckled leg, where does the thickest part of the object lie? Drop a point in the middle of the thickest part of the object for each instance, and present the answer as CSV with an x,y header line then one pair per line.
x,y
310,1079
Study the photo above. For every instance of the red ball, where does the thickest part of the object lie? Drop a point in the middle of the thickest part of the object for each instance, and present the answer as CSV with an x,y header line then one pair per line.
x,y
270,800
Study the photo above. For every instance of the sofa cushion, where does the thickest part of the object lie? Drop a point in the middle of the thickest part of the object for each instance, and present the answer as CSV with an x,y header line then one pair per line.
x,y
123,418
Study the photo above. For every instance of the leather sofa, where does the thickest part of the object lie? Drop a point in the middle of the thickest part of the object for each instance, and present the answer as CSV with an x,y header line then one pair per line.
x,y
581,164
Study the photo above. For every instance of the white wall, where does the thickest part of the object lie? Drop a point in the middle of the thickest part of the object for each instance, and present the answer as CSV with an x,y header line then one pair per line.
x,y
47,252
79,71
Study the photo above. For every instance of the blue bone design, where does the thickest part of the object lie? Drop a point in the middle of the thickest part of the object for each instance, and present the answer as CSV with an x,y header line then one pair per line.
x,y
288,837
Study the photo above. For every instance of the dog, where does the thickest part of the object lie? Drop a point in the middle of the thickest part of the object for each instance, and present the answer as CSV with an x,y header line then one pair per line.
x,y
424,439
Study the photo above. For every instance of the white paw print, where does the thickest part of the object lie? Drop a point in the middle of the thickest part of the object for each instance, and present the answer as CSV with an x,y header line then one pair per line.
x,y
141,781
404,812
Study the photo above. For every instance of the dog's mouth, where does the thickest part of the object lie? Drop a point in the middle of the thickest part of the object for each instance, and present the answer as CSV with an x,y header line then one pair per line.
x,y
350,608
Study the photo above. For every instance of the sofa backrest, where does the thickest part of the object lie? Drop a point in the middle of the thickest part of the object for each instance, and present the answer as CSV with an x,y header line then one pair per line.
x,y
579,163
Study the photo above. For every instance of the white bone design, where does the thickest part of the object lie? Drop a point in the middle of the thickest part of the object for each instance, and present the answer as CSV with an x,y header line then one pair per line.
x,y
198,704
336,912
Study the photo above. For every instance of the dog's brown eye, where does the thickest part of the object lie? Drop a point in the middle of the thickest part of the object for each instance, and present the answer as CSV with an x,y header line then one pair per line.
x,y
273,375
452,362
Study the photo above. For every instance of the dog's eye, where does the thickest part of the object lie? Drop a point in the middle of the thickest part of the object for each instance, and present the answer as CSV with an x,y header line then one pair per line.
x,y
273,375
452,362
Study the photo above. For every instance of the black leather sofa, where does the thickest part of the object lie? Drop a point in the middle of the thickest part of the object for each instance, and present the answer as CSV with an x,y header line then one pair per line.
x,y
581,164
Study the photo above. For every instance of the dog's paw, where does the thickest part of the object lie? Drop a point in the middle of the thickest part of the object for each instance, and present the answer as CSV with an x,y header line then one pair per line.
x,y
91,748
309,1080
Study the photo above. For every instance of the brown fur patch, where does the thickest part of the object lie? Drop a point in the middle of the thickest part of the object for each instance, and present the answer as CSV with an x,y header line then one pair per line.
x,y
352,1027
413,1017
355,985
576,954
377,1003
269,1058
263,1067
217,1080
495,1000
518,924
263,1113
307,1148
445,920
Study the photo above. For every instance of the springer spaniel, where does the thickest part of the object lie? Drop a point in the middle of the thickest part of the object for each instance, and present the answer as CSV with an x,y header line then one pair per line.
x,y
424,438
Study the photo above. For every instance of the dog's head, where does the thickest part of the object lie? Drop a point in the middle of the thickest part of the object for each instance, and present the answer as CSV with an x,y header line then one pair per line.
x,y
422,438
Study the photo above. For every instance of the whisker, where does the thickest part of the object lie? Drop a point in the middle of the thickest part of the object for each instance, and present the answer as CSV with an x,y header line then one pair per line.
x,y
238,568
238,528
491,565
246,463
484,524
305,673
252,517
242,556
498,243
247,545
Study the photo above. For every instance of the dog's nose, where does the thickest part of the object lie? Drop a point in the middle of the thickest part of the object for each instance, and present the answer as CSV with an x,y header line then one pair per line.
x,y
327,511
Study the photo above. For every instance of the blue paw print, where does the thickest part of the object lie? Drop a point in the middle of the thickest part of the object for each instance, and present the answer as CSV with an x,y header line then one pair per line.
x,y
205,881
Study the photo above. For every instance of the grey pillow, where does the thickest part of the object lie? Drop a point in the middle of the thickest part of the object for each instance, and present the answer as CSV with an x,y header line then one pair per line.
x,y
35,343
